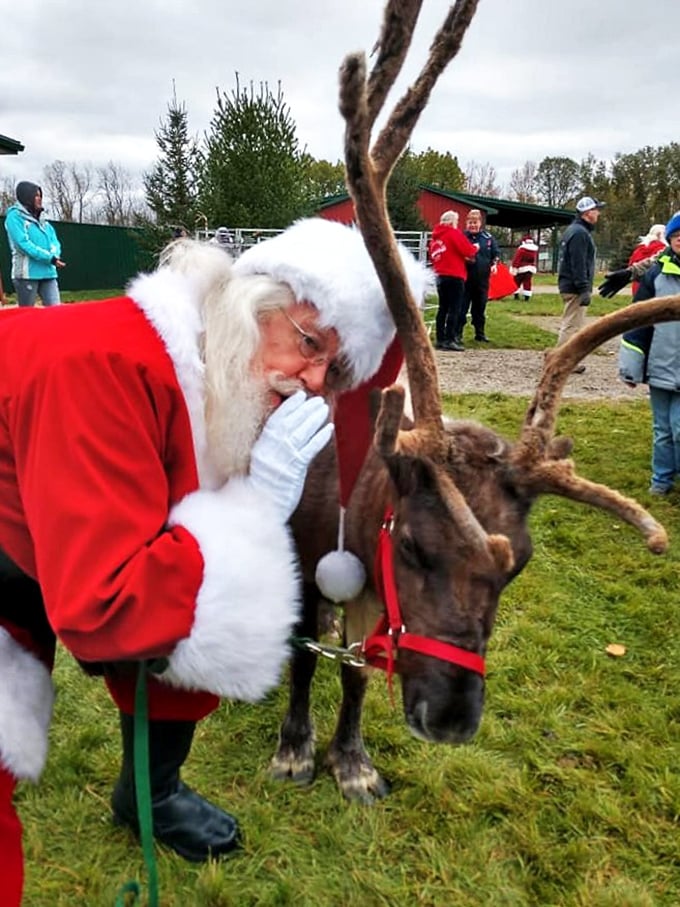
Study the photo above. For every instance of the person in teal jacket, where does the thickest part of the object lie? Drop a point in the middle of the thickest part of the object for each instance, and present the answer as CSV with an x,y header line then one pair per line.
x,y
35,248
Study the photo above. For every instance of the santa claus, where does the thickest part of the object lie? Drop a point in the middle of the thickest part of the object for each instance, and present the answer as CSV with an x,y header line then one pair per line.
x,y
152,450
523,266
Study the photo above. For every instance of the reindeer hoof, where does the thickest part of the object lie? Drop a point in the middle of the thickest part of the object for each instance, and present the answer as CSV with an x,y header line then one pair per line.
x,y
298,768
357,779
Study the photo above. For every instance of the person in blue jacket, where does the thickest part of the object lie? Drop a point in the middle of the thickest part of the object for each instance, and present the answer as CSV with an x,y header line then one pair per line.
x,y
36,250
652,355
479,270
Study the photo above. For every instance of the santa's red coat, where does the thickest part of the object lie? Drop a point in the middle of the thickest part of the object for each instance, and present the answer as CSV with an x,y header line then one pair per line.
x,y
109,499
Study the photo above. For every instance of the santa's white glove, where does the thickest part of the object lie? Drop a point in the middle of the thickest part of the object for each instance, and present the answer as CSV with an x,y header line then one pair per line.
x,y
292,436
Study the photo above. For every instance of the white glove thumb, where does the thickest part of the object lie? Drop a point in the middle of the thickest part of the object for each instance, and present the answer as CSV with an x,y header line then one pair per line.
x,y
292,436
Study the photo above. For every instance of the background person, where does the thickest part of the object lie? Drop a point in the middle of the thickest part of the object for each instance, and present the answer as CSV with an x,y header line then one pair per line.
x,y
478,272
449,249
576,270
649,245
152,450
652,355
523,266
35,248
223,239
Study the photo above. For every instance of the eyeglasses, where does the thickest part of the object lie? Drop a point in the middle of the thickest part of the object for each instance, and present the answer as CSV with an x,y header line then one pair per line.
x,y
310,348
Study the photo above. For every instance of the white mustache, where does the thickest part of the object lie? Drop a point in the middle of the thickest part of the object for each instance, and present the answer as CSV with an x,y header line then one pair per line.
x,y
282,385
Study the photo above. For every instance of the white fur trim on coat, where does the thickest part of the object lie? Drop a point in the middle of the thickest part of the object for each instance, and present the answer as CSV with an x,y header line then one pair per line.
x,y
248,602
26,698
327,264
171,302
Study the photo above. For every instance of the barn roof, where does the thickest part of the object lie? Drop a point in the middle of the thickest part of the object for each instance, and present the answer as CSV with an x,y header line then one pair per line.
x,y
10,146
502,212
499,212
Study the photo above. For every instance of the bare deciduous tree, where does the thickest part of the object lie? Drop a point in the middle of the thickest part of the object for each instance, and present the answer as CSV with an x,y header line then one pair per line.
x,y
480,179
119,197
522,185
68,187
7,196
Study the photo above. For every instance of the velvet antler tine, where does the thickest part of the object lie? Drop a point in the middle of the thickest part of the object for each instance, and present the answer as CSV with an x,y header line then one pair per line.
x,y
389,420
539,422
399,22
368,193
396,133
559,478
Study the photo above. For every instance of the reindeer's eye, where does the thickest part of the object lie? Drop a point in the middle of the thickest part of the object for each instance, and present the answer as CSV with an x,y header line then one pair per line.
x,y
412,553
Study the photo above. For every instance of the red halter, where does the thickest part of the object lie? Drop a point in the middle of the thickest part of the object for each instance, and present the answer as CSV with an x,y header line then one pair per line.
x,y
390,633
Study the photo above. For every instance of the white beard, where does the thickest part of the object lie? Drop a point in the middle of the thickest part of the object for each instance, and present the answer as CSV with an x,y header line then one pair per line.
x,y
234,423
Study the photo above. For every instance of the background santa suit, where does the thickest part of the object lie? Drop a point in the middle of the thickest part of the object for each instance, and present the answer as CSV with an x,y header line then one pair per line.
x,y
640,253
108,495
523,266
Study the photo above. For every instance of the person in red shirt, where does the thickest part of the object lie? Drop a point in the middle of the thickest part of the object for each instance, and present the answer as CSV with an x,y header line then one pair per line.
x,y
648,246
449,250
152,449
523,266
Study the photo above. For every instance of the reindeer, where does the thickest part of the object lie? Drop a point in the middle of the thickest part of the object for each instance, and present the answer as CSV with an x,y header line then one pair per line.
x,y
445,504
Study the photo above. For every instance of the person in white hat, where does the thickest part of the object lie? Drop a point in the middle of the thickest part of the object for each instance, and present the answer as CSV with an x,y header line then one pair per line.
x,y
577,268
152,450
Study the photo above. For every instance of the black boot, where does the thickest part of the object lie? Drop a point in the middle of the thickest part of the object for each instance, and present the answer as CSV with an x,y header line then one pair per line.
x,y
182,820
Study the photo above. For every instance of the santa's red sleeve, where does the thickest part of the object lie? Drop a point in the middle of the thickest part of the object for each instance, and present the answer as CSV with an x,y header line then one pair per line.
x,y
129,571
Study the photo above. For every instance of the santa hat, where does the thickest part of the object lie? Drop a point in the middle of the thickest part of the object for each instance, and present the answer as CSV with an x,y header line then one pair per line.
x,y
326,264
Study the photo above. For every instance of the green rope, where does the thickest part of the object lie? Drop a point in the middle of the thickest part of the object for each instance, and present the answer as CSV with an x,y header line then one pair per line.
x,y
143,789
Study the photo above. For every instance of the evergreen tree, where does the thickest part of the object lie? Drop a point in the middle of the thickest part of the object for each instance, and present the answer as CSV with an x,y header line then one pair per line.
x,y
403,191
171,186
440,170
254,170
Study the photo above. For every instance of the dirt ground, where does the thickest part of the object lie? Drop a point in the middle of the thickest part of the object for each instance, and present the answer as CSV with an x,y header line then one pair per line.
x,y
517,371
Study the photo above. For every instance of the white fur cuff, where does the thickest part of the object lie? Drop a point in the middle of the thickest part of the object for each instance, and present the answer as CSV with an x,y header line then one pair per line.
x,y
248,602
26,698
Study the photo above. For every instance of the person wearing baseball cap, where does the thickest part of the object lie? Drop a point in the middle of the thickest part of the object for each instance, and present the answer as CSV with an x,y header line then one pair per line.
x,y
154,447
577,268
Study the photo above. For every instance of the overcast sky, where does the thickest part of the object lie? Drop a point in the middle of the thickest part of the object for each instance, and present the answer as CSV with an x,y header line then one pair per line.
x,y
90,80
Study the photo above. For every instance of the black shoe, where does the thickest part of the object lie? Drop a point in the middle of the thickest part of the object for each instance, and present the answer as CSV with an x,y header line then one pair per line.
x,y
482,338
182,820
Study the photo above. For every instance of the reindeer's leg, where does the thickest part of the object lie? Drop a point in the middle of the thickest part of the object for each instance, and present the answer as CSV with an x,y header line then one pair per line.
x,y
294,758
347,758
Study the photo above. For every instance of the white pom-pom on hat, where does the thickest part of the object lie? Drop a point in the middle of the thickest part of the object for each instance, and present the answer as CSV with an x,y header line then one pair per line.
x,y
340,575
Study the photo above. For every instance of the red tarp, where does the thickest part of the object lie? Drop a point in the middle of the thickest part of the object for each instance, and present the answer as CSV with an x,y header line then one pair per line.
x,y
502,283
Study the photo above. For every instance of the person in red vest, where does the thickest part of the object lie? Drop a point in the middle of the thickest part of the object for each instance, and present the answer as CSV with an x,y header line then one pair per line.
x,y
449,251
523,266
647,246
152,450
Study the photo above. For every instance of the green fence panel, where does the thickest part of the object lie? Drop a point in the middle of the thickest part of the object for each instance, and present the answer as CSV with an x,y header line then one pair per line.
x,y
97,257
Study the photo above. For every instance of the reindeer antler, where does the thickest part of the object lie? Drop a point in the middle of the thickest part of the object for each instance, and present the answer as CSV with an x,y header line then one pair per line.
x,y
361,100
536,467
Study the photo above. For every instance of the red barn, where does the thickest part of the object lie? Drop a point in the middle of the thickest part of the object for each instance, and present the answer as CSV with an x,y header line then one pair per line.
x,y
433,202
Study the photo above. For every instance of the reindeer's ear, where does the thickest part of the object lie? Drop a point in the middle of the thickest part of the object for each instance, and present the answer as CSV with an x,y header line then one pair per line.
x,y
412,474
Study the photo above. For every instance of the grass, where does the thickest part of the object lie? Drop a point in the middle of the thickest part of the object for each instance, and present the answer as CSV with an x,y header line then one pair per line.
x,y
569,796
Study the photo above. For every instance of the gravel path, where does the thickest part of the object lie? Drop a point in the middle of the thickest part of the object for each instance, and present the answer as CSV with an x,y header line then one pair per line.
x,y
517,371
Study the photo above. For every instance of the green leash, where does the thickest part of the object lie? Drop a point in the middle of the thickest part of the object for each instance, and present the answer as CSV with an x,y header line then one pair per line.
x,y
143,790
